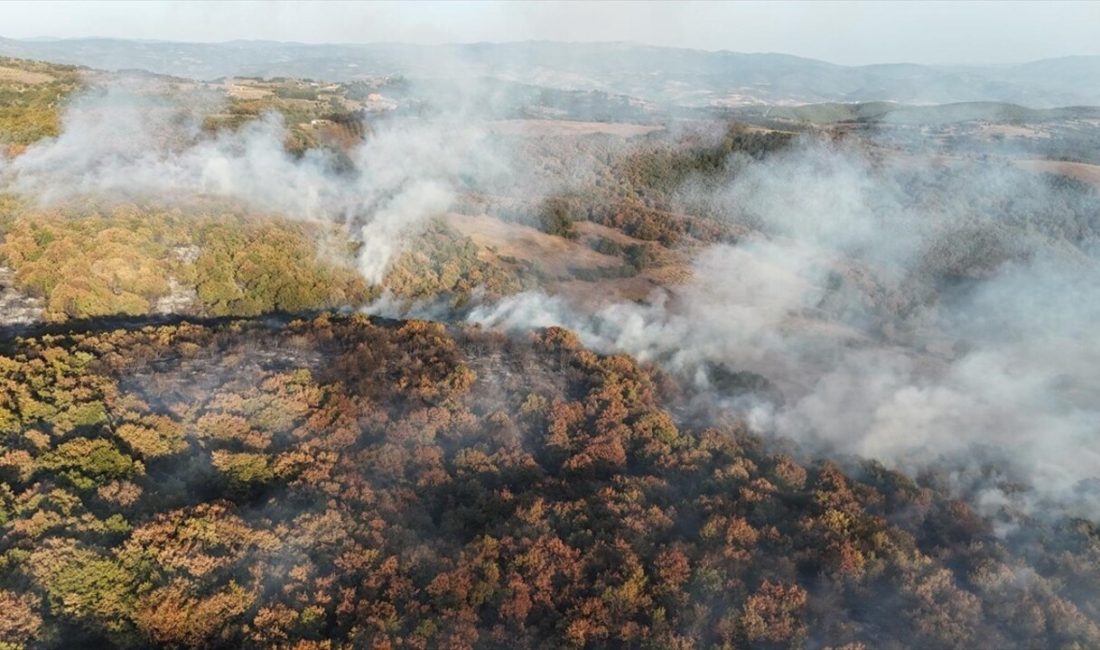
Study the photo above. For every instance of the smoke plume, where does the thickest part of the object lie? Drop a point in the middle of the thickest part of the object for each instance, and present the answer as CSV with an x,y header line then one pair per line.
x,y
923,315
927,313
127,143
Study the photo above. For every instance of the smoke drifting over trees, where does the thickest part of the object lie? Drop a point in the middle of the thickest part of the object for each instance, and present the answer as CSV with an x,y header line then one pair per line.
x,y
695,384
122,144
919,314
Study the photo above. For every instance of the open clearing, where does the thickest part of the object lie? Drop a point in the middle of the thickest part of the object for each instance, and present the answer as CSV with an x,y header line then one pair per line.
x,y
556,255
565,127
24,76
1083,172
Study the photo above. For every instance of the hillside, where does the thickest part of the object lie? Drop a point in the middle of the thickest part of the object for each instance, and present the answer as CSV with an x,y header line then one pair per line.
x,y
346,483
576,346
32,95
663,75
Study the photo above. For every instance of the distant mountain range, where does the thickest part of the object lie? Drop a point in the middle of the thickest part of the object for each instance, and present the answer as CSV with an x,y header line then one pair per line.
x,y
660,75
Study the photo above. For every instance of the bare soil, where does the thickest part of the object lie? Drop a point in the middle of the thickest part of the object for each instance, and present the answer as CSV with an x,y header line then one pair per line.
x,y
24,76
566,128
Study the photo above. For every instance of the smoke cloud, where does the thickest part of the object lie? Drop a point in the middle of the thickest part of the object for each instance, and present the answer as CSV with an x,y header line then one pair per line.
x,y
128,143
923,315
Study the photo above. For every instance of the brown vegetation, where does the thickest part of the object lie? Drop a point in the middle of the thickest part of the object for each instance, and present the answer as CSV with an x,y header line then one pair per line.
x,y
349,483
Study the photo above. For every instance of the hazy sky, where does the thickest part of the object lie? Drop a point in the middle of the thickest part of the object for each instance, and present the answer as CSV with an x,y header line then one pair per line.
x,y
842,32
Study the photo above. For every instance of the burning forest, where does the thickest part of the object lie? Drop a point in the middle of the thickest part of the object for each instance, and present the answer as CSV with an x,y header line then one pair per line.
x,y
502,345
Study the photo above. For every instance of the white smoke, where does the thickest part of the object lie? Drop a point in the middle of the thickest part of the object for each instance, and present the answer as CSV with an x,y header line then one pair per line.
x,y
122,143
847,299
918,314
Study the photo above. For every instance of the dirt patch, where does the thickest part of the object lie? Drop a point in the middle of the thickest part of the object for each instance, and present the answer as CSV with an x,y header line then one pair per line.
x,y
24,76
247,92
556,256
1083,172
567,128
590,230
1011,131
564,263
619,290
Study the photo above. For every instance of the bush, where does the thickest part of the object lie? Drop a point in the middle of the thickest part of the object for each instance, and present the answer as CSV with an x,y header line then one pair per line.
x,y
607,246
641,256
88,463
557,215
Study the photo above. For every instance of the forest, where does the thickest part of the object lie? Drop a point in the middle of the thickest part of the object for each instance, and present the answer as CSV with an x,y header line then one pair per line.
x,y
95,256
349,482
86,261
210,438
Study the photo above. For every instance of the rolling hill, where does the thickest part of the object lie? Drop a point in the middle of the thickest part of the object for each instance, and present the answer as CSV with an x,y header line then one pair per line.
x,y
668,75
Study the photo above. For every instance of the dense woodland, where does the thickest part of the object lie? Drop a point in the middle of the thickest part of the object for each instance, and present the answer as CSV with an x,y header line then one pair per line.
x,y
88,261
355,483
635,188
96,257
239,479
